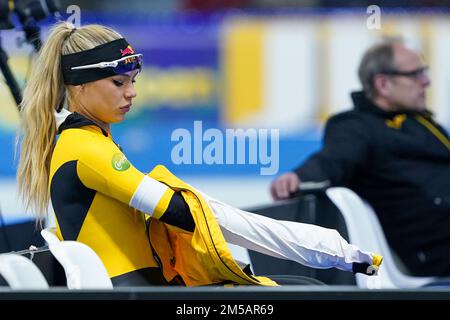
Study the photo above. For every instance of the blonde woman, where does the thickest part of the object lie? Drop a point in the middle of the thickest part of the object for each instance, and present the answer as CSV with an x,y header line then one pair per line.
x,y
146,228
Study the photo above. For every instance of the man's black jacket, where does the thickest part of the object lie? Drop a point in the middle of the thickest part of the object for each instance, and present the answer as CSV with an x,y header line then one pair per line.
x,y
400,163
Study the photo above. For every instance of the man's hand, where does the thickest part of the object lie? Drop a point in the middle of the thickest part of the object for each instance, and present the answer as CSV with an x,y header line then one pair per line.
x,y
284,186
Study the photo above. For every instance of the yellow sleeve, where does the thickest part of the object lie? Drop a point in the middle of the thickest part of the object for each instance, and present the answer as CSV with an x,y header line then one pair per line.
x,y
104,168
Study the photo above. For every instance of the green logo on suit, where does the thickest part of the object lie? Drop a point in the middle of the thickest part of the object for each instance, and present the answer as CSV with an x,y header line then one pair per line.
x,y
120,162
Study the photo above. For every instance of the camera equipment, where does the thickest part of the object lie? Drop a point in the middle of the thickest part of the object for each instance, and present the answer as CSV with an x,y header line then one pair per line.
x,y
6,7
9,77
28,13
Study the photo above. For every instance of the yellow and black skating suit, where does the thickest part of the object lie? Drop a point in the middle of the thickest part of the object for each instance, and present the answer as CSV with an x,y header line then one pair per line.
x,y
100,199
91,185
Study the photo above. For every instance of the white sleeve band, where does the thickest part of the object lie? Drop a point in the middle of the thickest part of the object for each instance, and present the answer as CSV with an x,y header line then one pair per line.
x,y
147,195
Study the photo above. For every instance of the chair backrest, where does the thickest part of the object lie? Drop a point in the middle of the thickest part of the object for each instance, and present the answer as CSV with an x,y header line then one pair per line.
x,y
21,273
365,231
49,235
82,266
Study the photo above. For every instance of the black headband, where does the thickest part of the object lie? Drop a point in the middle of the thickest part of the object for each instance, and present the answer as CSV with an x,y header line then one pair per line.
x,y
103,53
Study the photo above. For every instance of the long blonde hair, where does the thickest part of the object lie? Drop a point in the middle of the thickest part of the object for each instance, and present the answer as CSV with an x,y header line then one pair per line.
x,y
44,93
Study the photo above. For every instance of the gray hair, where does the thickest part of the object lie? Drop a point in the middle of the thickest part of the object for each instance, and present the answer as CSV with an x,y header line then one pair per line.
x,y
377,59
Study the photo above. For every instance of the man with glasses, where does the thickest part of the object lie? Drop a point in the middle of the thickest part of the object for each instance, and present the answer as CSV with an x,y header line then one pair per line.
x,y
392,153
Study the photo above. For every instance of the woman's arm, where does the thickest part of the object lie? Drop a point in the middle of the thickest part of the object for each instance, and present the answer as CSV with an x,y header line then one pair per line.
x,y
104,168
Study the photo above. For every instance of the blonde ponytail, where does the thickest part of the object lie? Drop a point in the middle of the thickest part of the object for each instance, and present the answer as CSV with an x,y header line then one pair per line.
x,y
44,93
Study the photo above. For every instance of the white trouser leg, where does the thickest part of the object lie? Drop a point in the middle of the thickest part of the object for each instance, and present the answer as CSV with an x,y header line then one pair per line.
x,y
307,244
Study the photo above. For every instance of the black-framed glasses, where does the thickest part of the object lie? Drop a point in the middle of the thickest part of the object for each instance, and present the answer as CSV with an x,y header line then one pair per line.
x,y
411,74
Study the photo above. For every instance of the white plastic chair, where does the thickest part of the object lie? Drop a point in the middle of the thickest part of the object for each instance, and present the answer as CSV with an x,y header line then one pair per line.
x,y
365,231
21,273
49,235
82,266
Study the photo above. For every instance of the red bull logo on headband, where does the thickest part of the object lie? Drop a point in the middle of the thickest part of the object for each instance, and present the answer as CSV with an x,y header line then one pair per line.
x,y
127,50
